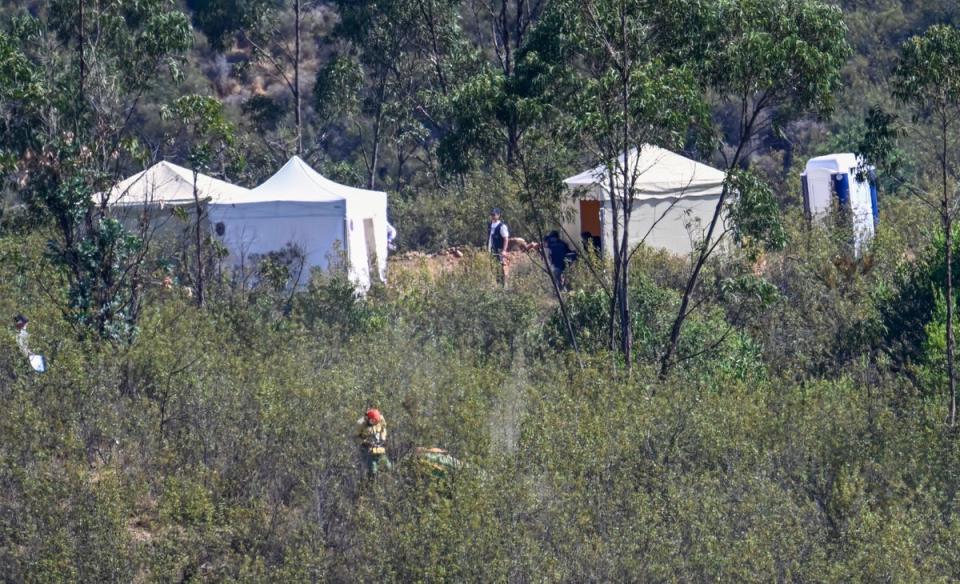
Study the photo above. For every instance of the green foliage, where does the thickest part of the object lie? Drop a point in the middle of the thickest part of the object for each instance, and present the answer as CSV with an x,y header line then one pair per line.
x,y
22,94
663,99
911,305
379,90
709,338
589,314
932,354
754,214
926,73
476,317
458,216
880,145
776,61
129,42
799,438
185,502
63,164
330,308
218,445
785,53
925,81
474,103
201,122
337,88
220,19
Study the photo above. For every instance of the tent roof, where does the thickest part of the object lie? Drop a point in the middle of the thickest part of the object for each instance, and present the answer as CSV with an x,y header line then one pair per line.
x,y
661,173
166,183
297,182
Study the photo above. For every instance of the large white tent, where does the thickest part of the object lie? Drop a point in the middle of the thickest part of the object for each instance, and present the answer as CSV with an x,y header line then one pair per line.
x,y
154,193
327,221
166,184
674,200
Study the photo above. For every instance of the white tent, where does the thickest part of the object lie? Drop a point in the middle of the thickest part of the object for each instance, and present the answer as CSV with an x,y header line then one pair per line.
x,y
297,206
327,221
154,193
166,184
674,200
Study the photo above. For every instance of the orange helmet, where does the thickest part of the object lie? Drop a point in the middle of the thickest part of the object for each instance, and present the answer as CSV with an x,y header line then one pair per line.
x,y
374,416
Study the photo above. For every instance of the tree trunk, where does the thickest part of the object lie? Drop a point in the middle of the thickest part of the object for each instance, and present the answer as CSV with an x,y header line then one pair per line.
x,y
947,217
626,324
199,242
401,161
615,244
626,328
513,134
375,149
513,142
951,376
426,10
83,65
296,80
746,131
665,360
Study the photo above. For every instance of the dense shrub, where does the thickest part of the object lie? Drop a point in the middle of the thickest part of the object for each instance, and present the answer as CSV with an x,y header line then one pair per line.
x,y
218,444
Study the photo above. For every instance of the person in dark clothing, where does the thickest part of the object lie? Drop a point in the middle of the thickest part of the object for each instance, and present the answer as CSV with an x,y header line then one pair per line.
x,y
590,242
498,240
560,256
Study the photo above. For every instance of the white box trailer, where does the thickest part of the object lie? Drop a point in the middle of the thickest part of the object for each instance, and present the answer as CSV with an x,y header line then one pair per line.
x,y
838,186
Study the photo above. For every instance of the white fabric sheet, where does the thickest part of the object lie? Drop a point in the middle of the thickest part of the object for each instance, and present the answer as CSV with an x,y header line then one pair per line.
x,y
38,363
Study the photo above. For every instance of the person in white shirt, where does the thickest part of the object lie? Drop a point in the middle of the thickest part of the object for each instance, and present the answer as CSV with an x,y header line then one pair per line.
x,y
391,235
498,239
23,337
37,362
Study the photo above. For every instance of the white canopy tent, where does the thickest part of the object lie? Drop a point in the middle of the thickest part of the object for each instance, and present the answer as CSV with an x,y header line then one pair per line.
x,y
146,201
166,184
674,200
327,221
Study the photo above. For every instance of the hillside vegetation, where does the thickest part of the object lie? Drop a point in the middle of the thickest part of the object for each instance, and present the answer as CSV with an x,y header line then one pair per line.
x,y
781,410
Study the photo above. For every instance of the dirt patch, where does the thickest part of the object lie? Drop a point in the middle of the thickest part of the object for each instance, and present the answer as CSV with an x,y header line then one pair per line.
x,y
138,531
450,259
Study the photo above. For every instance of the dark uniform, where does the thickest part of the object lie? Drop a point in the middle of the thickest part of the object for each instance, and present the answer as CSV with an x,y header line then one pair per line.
x,y
498,235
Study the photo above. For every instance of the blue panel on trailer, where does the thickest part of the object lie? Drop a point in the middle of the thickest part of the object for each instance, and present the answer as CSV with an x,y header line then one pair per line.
x,y
872,177
841,186
806,196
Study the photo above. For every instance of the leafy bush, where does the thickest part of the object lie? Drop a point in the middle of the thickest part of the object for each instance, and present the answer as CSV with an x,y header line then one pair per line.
x,y
218,444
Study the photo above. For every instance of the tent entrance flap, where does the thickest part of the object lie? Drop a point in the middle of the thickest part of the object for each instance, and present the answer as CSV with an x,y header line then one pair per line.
x,y
590,218
369,235
591,224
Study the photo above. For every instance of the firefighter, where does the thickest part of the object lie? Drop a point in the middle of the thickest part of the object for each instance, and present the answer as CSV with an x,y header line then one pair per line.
x,y
372,432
